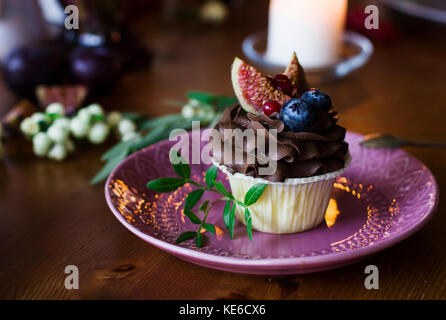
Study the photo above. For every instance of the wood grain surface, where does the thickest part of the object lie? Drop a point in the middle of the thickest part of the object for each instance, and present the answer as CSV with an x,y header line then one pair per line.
x,y
51,217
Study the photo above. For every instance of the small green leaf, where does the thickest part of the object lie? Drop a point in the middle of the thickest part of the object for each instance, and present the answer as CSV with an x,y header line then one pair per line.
x,y
53,116
254,193
199,239
98,117
186,236
209,227
227,215
204,206
179,164
210,176
232,220
223,190
192,199
192,217
248,220
43,125
166,184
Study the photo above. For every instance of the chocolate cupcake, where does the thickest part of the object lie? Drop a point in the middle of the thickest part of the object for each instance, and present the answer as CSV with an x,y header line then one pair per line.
x,y
302,154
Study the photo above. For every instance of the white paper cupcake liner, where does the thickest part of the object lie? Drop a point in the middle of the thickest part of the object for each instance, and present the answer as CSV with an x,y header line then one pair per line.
x,y
294,205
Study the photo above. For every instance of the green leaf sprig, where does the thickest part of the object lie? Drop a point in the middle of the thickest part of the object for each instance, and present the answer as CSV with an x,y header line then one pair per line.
x,y
182,169
204,107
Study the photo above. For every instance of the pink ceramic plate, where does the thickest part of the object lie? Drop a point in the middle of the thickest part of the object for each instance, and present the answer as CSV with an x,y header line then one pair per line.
x,y
384,197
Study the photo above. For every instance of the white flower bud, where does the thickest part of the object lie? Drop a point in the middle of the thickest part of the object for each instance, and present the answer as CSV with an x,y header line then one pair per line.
x,y
79,128
194,102
96,110
84,115
41,144
98,133
130,135
62,122
55,108
69,145
113,118
58,152
187,111
126,126
57,133
29,127
39,117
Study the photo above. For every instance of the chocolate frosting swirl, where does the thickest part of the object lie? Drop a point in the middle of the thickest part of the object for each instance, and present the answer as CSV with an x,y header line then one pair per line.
x,y
299,154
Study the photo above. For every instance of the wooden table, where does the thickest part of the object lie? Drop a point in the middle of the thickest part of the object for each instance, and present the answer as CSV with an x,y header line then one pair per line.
x,y
51,217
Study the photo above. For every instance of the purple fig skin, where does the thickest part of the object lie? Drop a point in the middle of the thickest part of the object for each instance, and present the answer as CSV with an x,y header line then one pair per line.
x,y
98,68
25,68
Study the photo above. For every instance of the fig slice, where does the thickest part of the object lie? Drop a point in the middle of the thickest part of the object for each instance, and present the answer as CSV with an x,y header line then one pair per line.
x,y
252,88
296,74
71,97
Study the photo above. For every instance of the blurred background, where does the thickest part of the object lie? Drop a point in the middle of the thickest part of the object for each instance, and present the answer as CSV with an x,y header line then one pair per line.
x,y
136,56
131,55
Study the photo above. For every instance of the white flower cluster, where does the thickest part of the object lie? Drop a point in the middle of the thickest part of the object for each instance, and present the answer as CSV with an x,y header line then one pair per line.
x,y
51,132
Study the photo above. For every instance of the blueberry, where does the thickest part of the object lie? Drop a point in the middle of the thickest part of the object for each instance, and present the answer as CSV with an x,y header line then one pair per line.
x,y
318,99
298,115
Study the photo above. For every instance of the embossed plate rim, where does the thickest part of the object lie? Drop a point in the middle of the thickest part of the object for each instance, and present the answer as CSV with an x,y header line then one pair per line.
x,y
318,262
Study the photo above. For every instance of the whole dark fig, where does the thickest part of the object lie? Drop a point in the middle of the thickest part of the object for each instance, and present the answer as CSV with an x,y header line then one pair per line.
x,y
25,68
98,68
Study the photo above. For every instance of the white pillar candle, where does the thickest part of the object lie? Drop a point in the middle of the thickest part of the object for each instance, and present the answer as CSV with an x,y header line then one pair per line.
x,y
312,28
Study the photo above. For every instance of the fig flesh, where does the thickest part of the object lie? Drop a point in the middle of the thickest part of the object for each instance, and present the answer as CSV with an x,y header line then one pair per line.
x,y
253,89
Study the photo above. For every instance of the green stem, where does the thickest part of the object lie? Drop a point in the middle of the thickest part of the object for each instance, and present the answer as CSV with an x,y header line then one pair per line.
x,y
202,186
212,189
194,183
239,203
204,218
215,202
